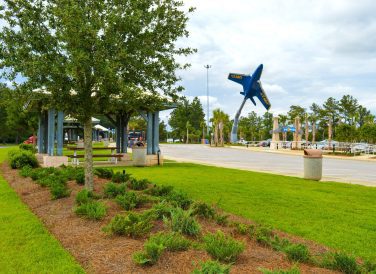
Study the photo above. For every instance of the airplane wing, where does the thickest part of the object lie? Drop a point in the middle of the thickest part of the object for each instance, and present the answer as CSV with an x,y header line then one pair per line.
x,y
238,78
260,93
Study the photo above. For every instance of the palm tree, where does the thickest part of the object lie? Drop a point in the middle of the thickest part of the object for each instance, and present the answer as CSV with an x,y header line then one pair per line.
x,y
283,120
219,119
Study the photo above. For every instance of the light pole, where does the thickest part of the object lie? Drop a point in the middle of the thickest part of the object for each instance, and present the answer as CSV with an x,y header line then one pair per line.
x,y
207,97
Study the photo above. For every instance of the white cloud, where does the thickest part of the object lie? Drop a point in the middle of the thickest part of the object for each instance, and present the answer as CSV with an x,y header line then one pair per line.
x,y
310,50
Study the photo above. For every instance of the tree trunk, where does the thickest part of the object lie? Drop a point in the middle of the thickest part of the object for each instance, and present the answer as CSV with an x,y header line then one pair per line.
x,y
221,141
216,135
88,154
313,132
187,136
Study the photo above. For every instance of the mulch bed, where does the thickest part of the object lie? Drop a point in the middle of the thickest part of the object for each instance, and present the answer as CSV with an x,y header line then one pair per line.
x,y
100,253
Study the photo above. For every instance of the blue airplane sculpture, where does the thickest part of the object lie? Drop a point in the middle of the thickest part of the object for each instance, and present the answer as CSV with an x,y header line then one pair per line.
x,y
251,88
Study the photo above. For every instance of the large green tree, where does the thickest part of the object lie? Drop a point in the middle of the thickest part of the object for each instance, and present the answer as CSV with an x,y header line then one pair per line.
x,y
82,52
191,112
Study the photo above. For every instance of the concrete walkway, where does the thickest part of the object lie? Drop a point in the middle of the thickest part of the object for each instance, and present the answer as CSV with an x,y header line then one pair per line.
x,y
334,169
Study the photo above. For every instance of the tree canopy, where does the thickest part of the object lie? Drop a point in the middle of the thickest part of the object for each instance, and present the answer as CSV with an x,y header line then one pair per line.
x,y
83,52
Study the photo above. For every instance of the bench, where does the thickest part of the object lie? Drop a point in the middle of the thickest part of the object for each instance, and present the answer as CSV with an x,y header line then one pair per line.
x,y
113,158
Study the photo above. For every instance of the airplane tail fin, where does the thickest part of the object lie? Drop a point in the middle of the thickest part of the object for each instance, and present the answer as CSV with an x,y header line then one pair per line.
x,y
238,78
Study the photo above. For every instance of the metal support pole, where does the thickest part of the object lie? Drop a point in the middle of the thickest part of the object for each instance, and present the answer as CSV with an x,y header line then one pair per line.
x,y
60,133
155,132
40,133
118,149
51,132
149,134
207,98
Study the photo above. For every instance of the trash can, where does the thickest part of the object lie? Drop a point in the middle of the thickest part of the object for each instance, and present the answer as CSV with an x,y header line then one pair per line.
x,y
313,164
139,156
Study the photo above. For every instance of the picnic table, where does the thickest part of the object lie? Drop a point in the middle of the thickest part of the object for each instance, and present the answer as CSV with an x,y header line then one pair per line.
x,y
113,157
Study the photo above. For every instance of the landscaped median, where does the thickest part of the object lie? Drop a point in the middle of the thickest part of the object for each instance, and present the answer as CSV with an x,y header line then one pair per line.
x,y
25,244
129,224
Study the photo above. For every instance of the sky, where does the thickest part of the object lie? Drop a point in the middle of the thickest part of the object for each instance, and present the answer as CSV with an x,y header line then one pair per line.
x,y
310,49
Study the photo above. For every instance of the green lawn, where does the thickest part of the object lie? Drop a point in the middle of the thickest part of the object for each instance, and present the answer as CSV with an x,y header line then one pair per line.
x,y
341,216
25,245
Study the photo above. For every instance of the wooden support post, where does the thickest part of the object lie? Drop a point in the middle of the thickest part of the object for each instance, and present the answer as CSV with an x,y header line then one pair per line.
x,y
40,133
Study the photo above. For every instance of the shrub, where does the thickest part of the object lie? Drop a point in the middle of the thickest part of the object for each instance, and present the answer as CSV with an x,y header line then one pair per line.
x,y
39,173
120,177
133,225
162,210
369,267
111,190
26,171
130,200
138,184
104,173
263,235
171,241
160,190
222,247
203,210
297,253
80,177
221,219
182,221
19,159
85,196
157,243
59,191
92,210
27,147
151,254
293,270
279,244
241,228
212,267
345,263
71,173
179,198
51,179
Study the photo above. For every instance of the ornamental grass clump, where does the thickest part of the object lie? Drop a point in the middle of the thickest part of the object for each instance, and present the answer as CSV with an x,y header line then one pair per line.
x,y
212,267
293,270
182,221
158,243
160,191
203,210
162,210
344,263
93,210
297,253
138,184
223,248
179,198
132,225
130,200
111,190
152,252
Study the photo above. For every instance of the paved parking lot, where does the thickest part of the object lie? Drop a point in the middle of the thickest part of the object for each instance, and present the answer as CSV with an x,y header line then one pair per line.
x,y
341,170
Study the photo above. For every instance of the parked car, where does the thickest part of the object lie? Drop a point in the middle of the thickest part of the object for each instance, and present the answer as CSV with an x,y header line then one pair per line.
x,y
265,143
325,144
